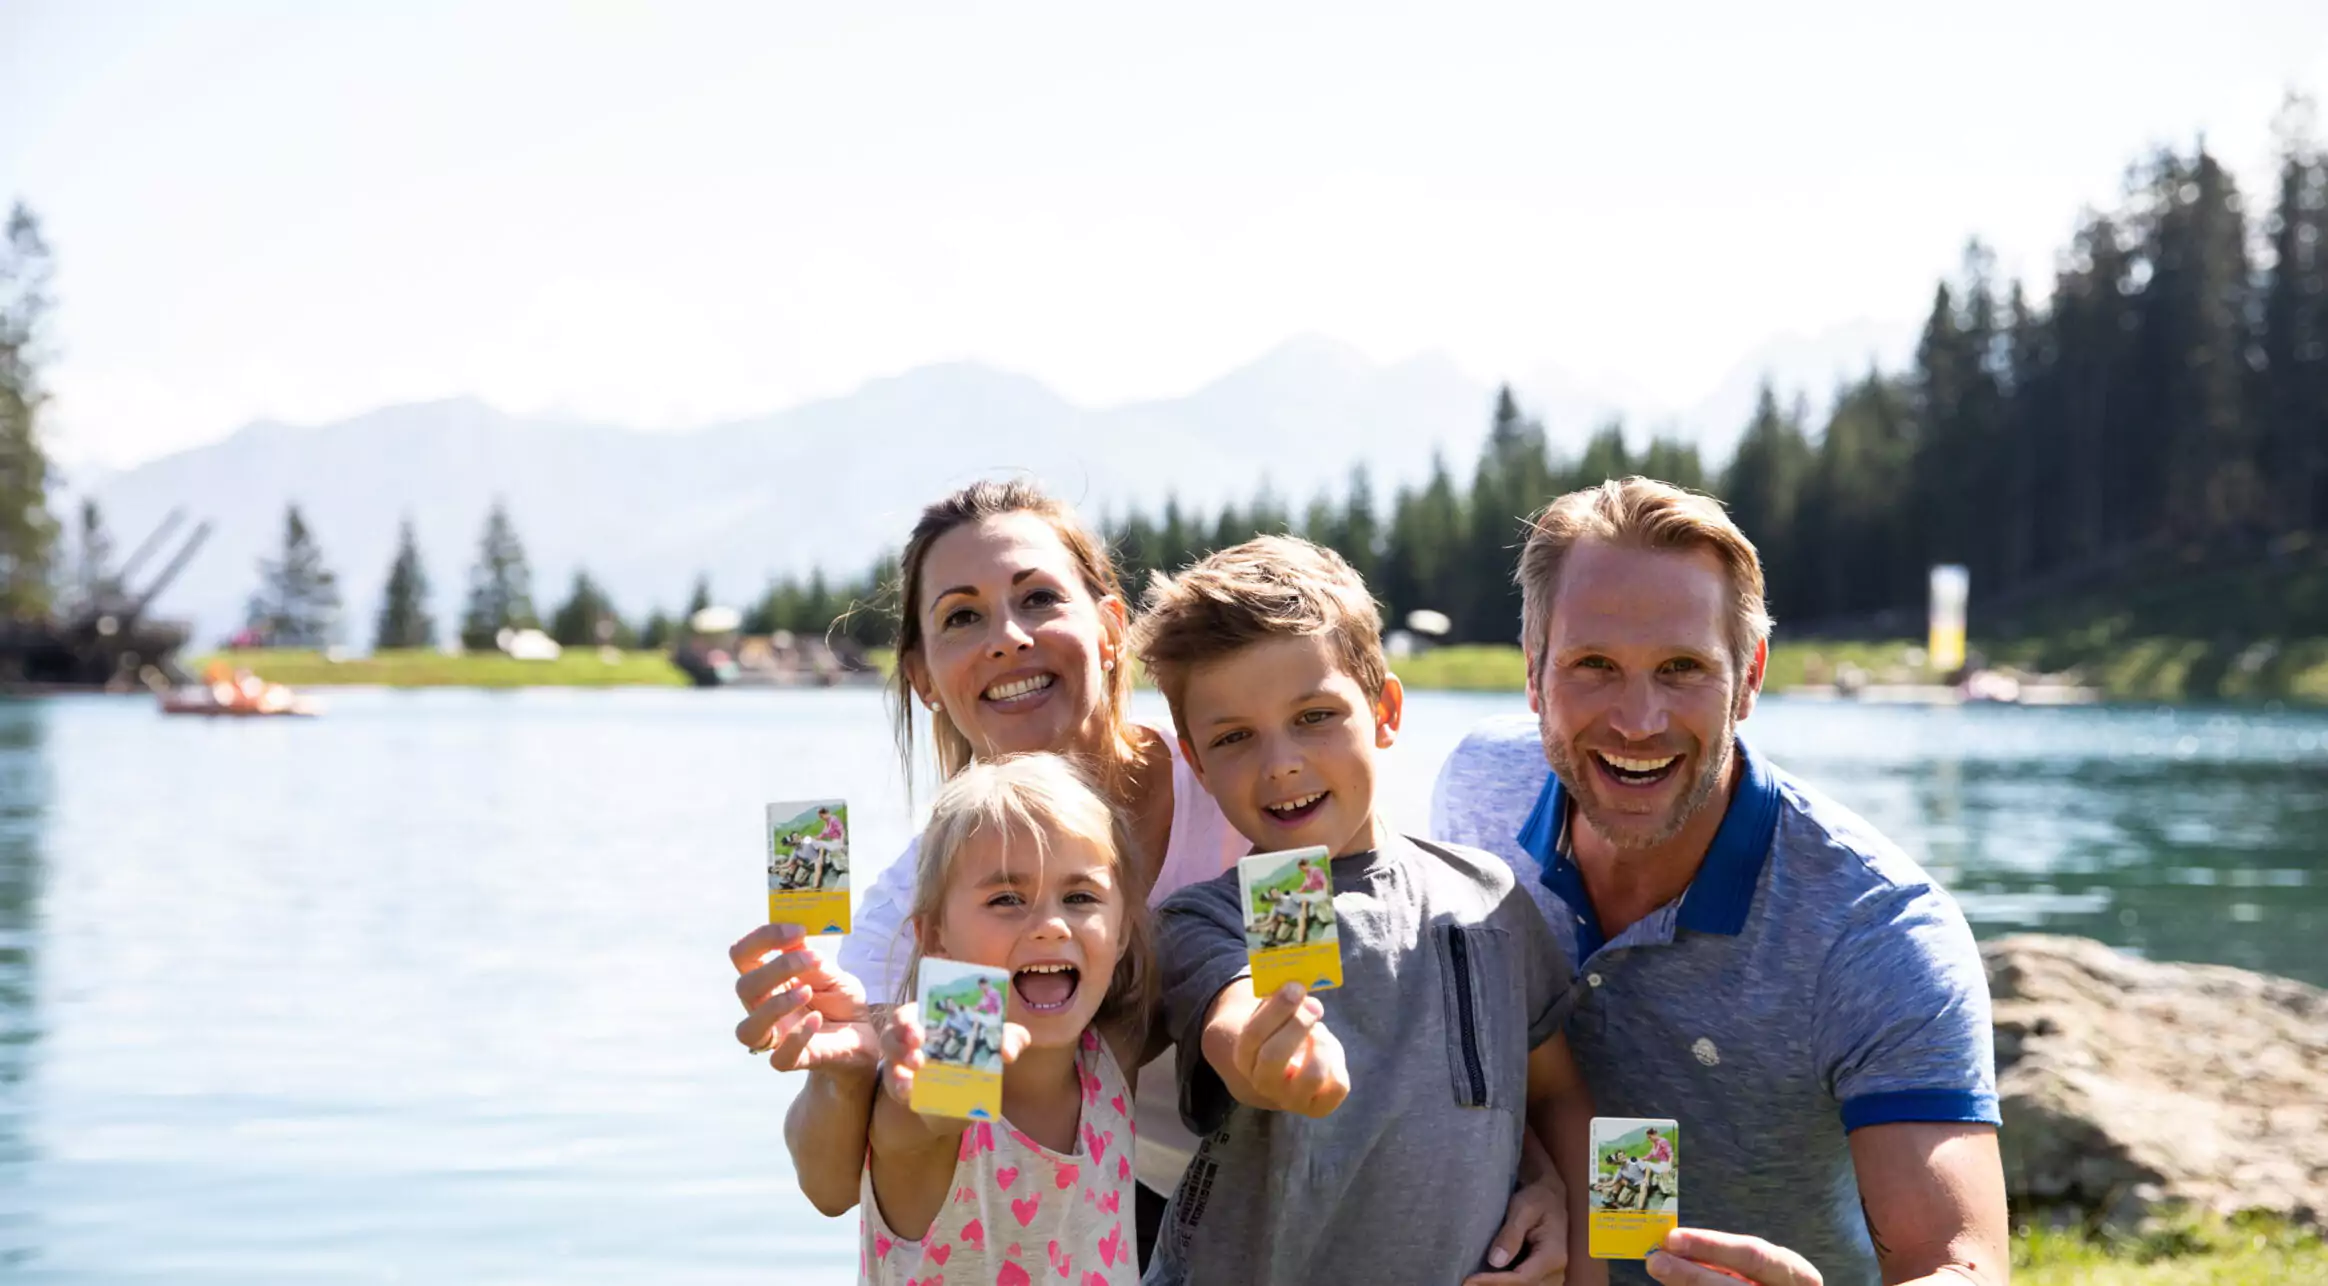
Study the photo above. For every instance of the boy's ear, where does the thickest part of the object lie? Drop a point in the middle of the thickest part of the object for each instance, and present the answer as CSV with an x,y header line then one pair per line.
x,y
1195,764
1389,708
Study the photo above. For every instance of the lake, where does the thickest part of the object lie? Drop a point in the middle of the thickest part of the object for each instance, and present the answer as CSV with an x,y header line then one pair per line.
x,y
435,988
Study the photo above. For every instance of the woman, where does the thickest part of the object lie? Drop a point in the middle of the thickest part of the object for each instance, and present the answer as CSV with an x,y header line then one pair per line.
x,y
1010,636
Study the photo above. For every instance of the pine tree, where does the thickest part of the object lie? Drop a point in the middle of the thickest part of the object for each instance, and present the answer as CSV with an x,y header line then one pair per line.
x,y
27,531
298,601
1673,461
697,599
1764,487
500,585
657,633
404,620
2292,405
576,622
1361,530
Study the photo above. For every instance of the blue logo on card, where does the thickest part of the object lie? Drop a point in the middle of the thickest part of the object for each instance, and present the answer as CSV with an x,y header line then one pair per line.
x,y
980,1114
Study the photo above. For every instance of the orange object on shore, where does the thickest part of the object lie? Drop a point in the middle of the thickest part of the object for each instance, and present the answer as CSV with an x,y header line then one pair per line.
x,y
233,692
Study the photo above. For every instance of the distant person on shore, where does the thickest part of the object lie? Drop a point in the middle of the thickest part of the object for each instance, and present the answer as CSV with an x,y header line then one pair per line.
x,y
1756,954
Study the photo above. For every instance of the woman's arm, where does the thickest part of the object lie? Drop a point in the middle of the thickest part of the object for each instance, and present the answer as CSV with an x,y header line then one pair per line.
x,y
827,1133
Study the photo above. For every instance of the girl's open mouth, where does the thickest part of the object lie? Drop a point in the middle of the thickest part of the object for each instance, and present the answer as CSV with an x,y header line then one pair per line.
x,y
1046,988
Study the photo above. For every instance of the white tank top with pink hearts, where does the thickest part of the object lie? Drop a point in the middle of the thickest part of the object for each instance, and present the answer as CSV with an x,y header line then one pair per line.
x,y
1020,1213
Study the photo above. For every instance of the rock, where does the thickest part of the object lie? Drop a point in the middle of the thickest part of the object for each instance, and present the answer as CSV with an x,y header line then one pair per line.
x,y
2128,1087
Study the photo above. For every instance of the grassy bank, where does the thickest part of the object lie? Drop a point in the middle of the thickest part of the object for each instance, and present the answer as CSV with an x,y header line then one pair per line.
x,y
426,668
2246,1252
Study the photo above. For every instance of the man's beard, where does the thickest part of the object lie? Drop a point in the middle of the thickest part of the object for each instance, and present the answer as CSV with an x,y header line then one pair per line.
x,y
1634,831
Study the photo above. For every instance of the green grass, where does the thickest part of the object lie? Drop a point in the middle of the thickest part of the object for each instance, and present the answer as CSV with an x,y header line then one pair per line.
x,y
2210,1252
425,668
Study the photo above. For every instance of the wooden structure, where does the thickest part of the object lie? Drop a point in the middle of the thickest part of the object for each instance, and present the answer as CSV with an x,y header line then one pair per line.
x,y
108,642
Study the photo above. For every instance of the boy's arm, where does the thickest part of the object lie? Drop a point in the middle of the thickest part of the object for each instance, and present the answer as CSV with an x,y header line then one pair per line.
x,y
1276,1054
1235,1047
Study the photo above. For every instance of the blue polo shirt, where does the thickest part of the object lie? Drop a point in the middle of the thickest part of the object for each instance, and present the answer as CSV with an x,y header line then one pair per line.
x,y
1810,981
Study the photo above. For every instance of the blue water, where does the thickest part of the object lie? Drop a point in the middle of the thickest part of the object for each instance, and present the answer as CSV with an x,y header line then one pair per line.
x,y
434,988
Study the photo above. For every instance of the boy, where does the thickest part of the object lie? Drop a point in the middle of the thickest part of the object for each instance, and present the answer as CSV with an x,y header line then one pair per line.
x,y
1375,1132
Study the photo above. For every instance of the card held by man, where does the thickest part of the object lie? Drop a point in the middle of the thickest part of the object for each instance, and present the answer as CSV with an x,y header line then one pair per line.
x,y
1636,1188
961,1007
808,864
1288,899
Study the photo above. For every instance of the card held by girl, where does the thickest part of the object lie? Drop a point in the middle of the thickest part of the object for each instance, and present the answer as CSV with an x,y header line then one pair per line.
x,y
961,1007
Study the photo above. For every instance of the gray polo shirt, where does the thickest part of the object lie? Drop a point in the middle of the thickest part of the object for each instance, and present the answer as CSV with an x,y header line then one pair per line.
x,y
1811,980
1449,978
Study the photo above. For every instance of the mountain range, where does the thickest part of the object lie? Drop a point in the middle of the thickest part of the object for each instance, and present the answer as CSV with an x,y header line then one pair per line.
x,y
832,483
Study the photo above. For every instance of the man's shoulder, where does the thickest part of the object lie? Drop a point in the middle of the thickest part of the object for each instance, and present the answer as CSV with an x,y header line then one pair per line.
x,y
1849,874
1461,864
1498,751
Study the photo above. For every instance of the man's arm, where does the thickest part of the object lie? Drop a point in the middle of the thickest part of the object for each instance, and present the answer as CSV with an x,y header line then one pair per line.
x,y
1934,1193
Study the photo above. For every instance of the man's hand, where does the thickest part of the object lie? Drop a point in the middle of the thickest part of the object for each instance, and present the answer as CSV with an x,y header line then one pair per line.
x,y
1694,1257
804,1011
1281,1051
1536,1221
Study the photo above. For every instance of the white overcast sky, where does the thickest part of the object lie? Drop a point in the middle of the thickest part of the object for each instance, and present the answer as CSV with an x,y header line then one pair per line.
x,y
663,214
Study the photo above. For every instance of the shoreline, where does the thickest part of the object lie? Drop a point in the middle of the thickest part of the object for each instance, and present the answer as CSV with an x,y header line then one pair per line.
x,y
2146,672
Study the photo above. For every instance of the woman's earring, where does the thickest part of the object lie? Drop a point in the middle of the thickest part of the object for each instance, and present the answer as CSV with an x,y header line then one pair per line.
x,y
1106,663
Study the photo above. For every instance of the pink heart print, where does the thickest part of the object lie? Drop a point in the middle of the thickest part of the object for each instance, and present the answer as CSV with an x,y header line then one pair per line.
x,y
1006,1176
1024,1209
1098,1142
974,1233
1067,1176
1060,1262
1111,1203
1111,1245
1117,1103
1012,1275
1123,1167
978,1138
939,1254
881,1246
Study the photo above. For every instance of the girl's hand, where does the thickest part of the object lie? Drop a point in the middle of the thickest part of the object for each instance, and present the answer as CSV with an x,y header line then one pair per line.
x,y
902,1054
802,1010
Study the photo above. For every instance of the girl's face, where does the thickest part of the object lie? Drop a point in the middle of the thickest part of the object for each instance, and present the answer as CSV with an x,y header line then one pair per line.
x,y
1013,643
1054,921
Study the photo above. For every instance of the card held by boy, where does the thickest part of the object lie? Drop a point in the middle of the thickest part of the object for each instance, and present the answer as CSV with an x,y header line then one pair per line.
x,y
1636,1185
1288,900
808,864
961,1008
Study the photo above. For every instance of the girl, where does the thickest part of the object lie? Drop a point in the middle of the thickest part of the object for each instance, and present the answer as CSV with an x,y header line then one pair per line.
x,y
1022,868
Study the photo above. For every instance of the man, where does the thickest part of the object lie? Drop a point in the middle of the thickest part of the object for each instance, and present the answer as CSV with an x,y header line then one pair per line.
x,y
1762,965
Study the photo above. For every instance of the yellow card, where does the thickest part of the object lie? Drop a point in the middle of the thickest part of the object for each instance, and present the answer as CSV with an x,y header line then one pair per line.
x,y
808,865
1636,1185
961,1008
1288,898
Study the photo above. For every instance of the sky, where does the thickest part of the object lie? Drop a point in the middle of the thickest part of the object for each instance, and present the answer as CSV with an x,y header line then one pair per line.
x,y
670,214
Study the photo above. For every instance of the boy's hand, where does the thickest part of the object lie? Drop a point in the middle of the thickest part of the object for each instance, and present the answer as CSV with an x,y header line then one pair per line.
x,y
1288,1058
1536,1222
901,1055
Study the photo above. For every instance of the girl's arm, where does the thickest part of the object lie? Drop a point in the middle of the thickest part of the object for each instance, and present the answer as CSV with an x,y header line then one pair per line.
x,y
912,1155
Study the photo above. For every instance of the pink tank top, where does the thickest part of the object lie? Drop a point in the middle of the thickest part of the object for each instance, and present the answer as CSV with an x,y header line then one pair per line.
x,y
1021,1213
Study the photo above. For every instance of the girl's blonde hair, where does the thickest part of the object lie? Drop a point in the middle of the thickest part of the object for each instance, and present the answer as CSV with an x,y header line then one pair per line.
x,y
1026,799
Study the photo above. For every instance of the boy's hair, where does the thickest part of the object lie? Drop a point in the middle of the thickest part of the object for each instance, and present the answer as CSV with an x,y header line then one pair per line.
x,y
1025,799
1270,587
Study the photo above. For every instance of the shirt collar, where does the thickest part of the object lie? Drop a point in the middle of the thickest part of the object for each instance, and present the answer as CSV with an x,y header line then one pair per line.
x,y
1722,892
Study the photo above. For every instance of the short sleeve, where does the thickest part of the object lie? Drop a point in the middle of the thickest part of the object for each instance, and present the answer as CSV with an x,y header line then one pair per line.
x,y
878,948
1200,948
1902,1027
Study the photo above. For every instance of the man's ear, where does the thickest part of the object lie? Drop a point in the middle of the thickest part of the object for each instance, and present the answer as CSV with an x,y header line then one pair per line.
x,y
1528,660
1389,708
1756,671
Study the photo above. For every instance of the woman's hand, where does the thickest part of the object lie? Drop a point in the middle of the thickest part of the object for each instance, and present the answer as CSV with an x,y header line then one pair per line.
x,y
803,1010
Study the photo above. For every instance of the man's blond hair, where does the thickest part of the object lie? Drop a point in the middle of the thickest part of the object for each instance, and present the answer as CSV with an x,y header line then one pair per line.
x,y
1639,513
1267,588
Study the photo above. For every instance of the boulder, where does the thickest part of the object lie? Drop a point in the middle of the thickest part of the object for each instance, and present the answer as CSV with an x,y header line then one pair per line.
x,y
2128,1086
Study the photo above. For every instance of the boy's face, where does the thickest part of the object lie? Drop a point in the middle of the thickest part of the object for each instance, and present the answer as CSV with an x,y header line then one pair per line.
x,y
1284,740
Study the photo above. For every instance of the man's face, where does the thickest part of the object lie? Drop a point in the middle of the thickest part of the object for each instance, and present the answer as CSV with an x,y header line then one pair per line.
x,y
1638,693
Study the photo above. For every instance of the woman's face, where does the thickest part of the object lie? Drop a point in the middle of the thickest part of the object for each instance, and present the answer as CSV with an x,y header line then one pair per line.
x,y
1013,642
